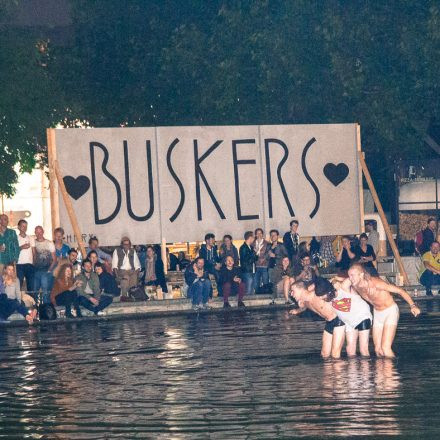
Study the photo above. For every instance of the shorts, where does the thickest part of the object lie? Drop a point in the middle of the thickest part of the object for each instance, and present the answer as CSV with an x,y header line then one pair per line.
x,y
330,325
366,324
389,316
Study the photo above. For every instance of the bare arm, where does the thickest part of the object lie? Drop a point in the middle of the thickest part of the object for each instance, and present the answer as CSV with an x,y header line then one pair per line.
x,y
54,262
391,288
431,268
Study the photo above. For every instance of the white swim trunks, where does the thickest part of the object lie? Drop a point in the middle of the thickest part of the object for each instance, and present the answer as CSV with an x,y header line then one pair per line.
x,y
389,316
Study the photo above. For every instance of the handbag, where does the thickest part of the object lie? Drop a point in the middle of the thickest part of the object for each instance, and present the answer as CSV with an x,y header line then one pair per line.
x,y
47,312
137,293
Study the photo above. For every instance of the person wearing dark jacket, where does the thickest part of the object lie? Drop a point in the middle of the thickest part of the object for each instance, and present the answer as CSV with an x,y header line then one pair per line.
x,y
231,282
291,240
209,253
247,261
154,271
429,234
227,249
199,285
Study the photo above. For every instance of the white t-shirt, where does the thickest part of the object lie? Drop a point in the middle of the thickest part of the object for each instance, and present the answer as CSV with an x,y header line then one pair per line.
x,y
43,254
25,256
351,308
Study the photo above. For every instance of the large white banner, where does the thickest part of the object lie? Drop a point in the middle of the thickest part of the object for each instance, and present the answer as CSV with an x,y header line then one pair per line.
x,y
179,183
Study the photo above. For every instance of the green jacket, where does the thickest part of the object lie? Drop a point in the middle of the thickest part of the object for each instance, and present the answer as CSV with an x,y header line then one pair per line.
x,y
93,283
10,240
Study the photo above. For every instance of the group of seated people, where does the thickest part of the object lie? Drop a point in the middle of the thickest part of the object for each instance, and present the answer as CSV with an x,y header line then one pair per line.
x,y
258,266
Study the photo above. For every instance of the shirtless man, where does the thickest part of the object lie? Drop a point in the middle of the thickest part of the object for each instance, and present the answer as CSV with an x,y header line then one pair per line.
x,y
334,331
351,310
386,312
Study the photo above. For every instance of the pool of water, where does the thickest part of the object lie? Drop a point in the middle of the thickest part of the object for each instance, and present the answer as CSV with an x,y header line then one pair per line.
x,y
236,376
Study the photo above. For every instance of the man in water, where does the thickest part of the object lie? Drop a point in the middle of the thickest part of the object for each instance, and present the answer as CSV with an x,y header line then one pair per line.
x,y
351,309
334,331
386,312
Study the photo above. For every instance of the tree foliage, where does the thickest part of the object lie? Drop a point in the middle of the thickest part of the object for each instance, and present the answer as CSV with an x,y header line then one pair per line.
x,y
170,62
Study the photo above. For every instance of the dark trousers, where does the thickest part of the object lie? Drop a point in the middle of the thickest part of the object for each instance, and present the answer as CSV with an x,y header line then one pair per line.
x,y
429,279
67,299
104,301
233,288
26,271
9,306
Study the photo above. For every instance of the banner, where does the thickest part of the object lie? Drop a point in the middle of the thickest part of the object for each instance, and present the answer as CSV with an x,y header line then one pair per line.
x,y
179,183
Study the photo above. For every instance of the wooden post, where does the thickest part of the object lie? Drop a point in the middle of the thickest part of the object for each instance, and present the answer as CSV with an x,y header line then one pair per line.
x,y
69,208
361,187
53,186
383,218
163,251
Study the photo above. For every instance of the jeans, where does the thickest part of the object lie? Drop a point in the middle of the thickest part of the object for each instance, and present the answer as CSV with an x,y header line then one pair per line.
x,y
26,271
66,299
9,306
104,301
200,291
248,279
261,277
44,280
429,279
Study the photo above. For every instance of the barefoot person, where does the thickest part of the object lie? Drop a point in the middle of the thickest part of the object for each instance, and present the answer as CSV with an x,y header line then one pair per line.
x,y
352,310
386,312
334,331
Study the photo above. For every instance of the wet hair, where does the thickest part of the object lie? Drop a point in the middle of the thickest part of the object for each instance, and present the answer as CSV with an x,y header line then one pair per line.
x,y
294,222
209,236
324,287
363,235
248,234
21,221
227,236
274,230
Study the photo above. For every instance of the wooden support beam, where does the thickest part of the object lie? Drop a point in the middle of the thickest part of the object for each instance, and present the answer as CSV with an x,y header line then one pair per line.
x,y
53,187
69,209
383,218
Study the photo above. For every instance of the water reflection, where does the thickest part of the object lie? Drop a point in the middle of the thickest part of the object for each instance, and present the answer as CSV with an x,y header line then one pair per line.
x,y
248,375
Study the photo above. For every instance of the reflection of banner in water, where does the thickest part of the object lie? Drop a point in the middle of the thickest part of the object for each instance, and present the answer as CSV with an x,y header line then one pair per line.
x,y
181,182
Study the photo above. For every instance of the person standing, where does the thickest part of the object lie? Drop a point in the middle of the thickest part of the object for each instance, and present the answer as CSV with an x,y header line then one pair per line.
x,y
277,252
247,261
227,249
291,240
45,261
429,235
346,255
365,255
61,249
261,249
9,248
430,270
126,266
25,263
373,236
209,253
154,270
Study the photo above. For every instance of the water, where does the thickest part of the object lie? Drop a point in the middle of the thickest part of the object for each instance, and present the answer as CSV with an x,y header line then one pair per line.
x,y
236,376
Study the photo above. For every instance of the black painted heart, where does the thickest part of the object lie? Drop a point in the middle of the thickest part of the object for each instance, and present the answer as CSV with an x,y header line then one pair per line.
x,y
336,173
77,187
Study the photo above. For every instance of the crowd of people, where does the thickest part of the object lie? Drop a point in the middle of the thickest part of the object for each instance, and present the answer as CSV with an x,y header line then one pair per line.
x,y
51,273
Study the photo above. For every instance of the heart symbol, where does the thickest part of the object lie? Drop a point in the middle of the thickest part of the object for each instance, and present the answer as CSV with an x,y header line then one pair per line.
x,y
336,173
77,187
